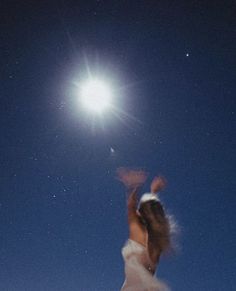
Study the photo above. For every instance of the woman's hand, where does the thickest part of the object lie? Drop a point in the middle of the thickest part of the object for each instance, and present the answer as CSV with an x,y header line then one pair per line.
x,y
131,178
158,184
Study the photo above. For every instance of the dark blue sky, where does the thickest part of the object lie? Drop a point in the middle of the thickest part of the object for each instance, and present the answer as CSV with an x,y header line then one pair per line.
x,y
62,213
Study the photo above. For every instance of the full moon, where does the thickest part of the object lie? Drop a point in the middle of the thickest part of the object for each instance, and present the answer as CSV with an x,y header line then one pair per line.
x,y
96,95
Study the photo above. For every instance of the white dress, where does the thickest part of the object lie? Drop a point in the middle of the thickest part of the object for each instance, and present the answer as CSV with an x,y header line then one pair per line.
x,y
137,263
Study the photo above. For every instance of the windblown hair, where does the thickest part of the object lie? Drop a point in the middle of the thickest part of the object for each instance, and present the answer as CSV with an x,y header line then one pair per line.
x,y
158,227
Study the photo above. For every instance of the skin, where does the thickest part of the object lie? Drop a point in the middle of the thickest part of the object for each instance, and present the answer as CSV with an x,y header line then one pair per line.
x,y
137,230
133,180
158,184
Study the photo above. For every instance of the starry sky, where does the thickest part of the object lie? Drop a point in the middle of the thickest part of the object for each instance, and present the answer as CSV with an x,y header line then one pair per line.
x,y
62,211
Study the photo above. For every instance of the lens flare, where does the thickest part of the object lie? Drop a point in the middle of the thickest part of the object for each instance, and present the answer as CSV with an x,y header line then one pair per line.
x,y
96,95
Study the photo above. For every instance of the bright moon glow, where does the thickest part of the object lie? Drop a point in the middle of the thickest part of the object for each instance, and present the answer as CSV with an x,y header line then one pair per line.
x,y
96,95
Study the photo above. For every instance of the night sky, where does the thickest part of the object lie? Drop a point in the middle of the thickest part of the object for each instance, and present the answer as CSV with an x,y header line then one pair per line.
x,y
171,65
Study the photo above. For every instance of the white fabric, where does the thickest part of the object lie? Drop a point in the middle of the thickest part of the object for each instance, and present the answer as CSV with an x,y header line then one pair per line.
x,y
149,196
137,263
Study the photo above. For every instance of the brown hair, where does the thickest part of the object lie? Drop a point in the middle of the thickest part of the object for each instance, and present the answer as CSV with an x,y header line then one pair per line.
x,y
158,227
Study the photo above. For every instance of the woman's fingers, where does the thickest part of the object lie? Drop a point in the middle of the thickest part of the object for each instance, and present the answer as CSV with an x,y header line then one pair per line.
x,y
158,183
131,177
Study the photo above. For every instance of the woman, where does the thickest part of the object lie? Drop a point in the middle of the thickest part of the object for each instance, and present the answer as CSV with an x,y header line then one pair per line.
x,y
149,233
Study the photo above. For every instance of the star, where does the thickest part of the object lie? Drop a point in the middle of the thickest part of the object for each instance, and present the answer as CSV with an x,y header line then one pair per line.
x,y
112,151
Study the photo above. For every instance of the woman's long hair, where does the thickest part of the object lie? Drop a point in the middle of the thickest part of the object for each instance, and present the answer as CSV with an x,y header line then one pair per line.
x,y
158,227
